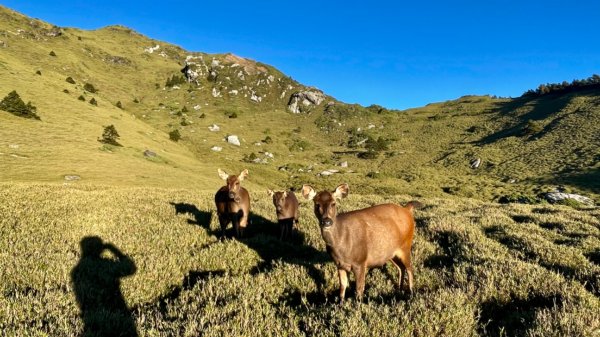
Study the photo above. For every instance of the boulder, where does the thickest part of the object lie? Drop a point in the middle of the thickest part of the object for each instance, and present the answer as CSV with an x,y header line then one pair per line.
x,y
554,197
214,128
233,139
149,153
306,98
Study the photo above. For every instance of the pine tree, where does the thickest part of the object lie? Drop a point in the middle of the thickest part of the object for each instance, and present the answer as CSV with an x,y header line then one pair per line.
x,y
15,105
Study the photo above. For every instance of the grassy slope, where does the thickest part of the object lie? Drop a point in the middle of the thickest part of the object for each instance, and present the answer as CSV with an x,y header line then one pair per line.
x,y
480,268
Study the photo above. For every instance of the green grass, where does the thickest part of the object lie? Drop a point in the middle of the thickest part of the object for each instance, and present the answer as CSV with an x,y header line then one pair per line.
x,y
480,268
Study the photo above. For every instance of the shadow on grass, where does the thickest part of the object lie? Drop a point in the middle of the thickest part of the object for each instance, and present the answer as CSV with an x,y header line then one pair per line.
x,y
450,244
261,235
514,317
96,282
526,251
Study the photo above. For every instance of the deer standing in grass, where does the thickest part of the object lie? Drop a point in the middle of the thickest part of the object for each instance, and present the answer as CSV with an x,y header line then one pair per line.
x,y
364,238
286,207
233,203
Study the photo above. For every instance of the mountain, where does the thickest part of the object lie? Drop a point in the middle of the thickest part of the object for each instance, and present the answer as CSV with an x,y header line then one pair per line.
x,y
289,133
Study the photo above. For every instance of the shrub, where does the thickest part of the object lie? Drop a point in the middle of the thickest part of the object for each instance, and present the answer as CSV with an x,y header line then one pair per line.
x,y
89,88
184,122
70,80
135,100
184,109
52,53
119,105
38,72
233,115
374,175
93,101
175,80
110,136
81,98
267,140
175,135
250,158
202,115
66,91
368,155
14,104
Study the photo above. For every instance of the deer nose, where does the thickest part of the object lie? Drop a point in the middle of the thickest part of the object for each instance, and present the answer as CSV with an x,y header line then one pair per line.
x,y
231,195
326,222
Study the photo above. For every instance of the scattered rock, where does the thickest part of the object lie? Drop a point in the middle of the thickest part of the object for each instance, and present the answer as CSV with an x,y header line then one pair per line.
x,y
72,177
214,128
152,49
149,153
197,107
554,197
216,148
370,126
328,172
13,146
258,144
475,162
215,93
344,164
233,139
269,154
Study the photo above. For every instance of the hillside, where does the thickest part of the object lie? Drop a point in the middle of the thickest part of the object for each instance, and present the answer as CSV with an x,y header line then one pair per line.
x,y
424,151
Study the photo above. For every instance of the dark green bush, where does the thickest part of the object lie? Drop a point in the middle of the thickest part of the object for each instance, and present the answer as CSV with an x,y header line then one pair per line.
x,y
249,158
93,101
202,115
175,135
70,80
267,140
119,105
38,72
110,136
89,88
135,100
52,53
14,104
175,80
66,91
81,98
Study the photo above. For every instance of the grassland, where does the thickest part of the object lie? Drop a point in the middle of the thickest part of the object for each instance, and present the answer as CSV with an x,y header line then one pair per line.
x,y
481,268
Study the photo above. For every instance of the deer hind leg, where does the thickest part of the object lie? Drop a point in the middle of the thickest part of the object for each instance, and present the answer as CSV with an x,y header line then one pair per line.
x,y
343,275
400,267
403,257
223,221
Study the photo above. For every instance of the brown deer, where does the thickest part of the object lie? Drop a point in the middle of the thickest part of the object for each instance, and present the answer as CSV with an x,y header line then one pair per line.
x,y
233,203
364,238
286,207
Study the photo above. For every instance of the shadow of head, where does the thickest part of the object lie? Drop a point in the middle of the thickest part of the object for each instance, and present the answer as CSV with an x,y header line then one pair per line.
x,y
199,217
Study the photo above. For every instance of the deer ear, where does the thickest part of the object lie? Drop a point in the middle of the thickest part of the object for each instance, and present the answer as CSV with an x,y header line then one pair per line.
x,y
308,192
223,174
341,191
243,175
285,194
270,193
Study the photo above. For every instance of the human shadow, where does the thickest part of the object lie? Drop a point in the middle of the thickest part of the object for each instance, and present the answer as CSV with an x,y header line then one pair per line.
x,y
96,282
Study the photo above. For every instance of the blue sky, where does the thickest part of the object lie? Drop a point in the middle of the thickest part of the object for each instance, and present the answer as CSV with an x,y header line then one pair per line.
x,y
392,53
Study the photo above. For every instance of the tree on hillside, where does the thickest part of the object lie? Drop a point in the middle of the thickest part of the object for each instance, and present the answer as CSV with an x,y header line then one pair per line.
x,y
110,136
15,105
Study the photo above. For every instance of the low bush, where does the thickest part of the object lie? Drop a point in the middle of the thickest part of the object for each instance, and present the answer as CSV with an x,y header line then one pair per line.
x,y
14,104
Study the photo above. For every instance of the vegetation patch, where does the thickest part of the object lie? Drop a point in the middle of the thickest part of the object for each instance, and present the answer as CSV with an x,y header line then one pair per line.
x,y
14,104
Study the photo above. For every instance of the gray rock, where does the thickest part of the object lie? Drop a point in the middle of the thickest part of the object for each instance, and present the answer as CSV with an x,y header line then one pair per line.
x,y
306,98
72,177
554,197
149,153
233,139
475,162
216,148
344,164
214,128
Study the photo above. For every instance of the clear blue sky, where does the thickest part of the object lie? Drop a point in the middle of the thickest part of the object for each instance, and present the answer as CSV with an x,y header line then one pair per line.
x,y
394,53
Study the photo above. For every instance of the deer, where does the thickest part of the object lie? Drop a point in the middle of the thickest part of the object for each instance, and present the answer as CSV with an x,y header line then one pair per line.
x,y
364,238
233,203
286,208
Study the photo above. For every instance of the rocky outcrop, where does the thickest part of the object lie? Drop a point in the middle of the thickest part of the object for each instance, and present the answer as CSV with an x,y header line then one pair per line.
x,y
303,101
554,197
